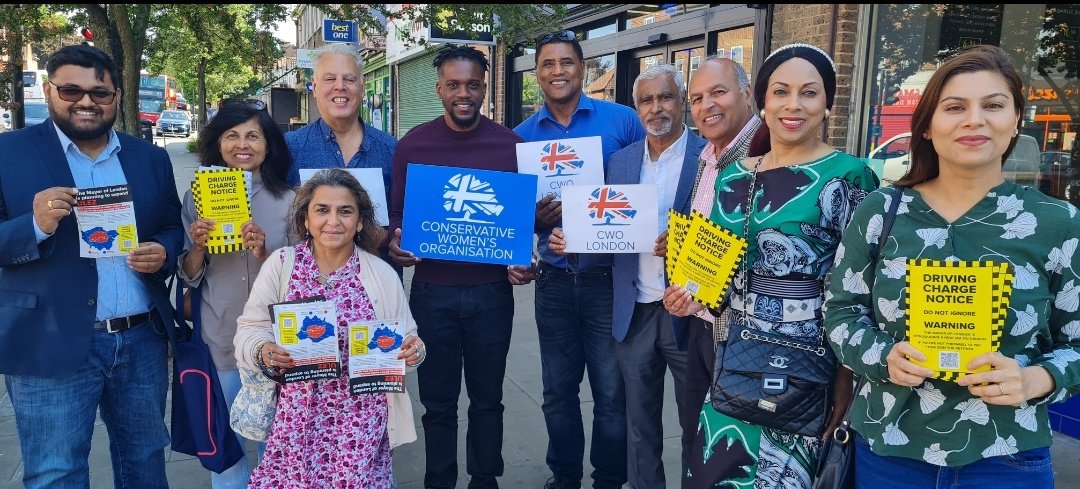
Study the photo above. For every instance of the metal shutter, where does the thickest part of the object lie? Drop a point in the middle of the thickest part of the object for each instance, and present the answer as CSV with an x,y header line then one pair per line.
x,y
417,102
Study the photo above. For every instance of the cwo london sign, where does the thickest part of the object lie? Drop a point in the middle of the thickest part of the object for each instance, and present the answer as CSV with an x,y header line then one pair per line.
x,y
610,218
468,215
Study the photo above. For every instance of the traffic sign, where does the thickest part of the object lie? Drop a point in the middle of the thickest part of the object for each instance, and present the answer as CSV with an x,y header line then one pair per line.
x,y
339,31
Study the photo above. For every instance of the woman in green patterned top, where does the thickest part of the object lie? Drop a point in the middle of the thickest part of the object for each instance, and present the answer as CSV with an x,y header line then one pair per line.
x,y
988,427
804,193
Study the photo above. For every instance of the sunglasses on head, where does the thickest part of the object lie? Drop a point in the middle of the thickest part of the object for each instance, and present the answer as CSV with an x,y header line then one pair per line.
x,y
251,103
74,94
555,37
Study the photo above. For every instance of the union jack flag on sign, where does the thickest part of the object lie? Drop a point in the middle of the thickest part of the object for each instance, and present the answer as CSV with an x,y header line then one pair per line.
x,y
609,205
469,195
559,158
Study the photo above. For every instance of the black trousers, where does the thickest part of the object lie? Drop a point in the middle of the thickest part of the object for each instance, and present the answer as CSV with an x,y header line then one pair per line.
x,y
700,354
465,329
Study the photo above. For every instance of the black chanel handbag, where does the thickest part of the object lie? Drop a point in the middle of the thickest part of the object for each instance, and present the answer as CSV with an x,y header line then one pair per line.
x,y
771,379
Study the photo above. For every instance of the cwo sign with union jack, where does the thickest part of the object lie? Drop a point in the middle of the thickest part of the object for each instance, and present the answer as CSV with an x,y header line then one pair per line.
x,y
562,162
610,218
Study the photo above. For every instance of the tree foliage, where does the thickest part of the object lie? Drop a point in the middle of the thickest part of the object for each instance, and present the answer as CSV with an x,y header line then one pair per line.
x,y
23,24
216,50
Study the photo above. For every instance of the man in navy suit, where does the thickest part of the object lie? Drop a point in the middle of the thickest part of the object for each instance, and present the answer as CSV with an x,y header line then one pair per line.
x,y
651,341
79,334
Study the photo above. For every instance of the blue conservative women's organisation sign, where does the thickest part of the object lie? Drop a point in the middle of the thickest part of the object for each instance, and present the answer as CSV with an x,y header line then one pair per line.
x,y
471,215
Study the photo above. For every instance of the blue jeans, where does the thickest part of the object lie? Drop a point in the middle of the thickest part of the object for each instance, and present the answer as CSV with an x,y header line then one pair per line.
x,y
237,476
464,328
573,319
1029,469
127,376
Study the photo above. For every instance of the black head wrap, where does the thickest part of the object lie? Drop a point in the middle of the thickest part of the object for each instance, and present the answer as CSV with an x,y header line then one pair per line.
x,y
824,64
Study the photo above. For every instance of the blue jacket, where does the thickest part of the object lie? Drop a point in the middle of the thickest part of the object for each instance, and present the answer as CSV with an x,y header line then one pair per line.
x,y
48,294
625,168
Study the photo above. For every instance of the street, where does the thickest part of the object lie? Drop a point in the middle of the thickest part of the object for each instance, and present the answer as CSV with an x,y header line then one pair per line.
x,y
525,439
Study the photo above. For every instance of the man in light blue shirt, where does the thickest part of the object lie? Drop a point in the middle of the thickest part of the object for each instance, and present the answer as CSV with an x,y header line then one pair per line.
x,y
82,334
573,292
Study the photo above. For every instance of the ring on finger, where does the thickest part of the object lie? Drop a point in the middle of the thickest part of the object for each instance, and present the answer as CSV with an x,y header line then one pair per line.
x,y
49,203
1001,389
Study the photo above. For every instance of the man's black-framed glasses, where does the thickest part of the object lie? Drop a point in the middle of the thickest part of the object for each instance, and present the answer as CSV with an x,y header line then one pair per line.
x,y
564,36
99,96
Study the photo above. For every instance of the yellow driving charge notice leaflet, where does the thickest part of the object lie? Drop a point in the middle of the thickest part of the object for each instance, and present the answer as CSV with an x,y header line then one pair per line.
x,y
956,312
222,194
702,256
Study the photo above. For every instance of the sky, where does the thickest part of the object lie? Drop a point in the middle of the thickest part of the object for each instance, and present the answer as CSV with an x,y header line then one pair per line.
x,y
286,31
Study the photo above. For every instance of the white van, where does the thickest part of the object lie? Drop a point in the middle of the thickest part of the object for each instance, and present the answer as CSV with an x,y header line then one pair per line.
x,y
33,83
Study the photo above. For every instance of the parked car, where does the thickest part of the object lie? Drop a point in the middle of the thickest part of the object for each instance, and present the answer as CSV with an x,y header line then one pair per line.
x,y
173,122
36,112
893,156
1022,166
1056,173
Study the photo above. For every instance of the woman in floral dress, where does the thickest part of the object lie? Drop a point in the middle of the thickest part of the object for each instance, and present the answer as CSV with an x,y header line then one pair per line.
x,y
804,192
323,436
985,429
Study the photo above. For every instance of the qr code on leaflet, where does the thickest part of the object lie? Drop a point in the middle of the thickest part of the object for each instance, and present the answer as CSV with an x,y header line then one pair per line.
x,y
126,244
949,359
227,228
692,287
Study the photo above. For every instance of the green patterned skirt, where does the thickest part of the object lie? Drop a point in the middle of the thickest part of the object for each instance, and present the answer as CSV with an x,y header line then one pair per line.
x,y
728,453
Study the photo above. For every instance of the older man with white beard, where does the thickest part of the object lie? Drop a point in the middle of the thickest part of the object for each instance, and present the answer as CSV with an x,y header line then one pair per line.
x,y
649,339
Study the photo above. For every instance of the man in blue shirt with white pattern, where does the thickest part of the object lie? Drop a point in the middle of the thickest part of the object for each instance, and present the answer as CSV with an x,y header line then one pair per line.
x,y
340,138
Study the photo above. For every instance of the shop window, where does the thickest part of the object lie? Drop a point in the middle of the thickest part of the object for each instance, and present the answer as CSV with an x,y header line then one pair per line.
x,y
600,77
737,44
1044,43
643,15
531,96
609,28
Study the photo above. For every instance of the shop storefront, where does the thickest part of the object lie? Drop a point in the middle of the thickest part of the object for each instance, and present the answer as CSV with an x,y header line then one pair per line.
x,y
377,93
620,41
907,42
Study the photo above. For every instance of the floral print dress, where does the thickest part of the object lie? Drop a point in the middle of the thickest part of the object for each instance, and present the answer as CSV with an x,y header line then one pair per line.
x,y
799,215
324,437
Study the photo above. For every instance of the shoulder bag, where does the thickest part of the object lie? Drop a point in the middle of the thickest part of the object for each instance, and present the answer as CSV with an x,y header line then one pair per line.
x,y
836,462
252,413
771,379
200,415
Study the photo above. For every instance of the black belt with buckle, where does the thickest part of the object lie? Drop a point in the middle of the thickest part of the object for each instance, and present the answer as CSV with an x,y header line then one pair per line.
x,y
117,325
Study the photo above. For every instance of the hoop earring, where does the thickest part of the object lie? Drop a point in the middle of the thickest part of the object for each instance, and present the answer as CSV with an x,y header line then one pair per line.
x,y
762,113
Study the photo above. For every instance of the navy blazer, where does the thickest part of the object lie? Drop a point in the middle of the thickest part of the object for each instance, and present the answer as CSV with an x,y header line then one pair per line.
x,y
625,168
48,294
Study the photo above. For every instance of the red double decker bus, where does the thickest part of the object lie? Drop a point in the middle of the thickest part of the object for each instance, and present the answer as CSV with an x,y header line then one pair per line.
x,y
156,93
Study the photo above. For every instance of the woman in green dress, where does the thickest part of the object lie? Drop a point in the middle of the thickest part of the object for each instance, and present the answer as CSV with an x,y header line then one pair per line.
x,y
988,427
803,194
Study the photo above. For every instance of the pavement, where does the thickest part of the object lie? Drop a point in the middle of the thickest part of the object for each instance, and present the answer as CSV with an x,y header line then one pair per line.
x,y
524,438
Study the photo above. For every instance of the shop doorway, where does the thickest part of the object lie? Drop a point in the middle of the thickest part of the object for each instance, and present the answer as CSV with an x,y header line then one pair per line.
x,y
685,55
